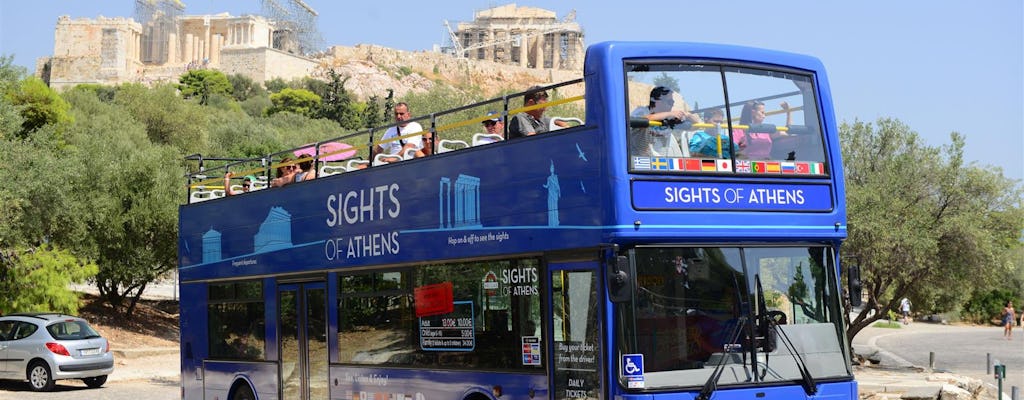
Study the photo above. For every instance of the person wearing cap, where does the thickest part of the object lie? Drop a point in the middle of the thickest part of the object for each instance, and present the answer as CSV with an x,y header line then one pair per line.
x,y
494,124
247,184
532,122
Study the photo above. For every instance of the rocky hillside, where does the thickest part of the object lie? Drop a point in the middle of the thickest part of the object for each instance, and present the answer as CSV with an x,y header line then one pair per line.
x,y
374,69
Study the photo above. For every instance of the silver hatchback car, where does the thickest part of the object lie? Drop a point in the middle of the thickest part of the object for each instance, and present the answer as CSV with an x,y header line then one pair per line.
x,y
46,347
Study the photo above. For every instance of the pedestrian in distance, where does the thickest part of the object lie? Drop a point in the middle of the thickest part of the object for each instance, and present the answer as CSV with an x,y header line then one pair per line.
x,y
905,310
1009,316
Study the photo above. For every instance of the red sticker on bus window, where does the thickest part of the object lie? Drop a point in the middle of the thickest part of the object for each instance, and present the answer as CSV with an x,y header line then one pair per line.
x,y
433,299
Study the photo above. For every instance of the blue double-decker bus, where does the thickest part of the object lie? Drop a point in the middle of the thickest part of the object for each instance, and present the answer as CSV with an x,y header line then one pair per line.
x,y
681,242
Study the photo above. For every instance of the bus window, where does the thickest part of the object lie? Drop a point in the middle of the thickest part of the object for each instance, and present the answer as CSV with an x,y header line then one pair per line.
x,y
794,283
696,307
699,118
764,103
375,318
495,309
688,299
672,95
576,339
236,321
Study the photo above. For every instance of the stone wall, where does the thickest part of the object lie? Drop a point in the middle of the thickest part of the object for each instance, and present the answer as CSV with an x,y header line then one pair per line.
x,y
102,50
263,64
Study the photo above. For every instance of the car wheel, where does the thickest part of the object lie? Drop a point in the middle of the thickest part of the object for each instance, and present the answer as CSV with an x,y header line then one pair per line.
x,y
95,382
39,377
243,393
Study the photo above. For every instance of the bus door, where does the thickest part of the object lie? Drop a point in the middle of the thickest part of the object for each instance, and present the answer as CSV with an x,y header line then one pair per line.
x,y
576,340
302,316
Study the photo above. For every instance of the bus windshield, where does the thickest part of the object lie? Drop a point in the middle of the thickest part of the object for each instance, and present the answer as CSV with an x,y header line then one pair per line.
x,y
736,119
696,308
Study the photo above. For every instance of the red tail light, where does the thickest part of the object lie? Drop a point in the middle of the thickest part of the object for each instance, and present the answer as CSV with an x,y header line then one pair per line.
x,y
106,346
57,348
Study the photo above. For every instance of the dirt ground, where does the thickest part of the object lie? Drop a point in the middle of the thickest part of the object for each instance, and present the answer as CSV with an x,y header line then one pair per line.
x,y
145,345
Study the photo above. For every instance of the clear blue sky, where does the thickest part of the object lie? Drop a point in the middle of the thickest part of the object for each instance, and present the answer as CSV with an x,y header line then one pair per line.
x,y
939,66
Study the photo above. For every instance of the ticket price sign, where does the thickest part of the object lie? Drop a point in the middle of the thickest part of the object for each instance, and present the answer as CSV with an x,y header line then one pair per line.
x,y
453,331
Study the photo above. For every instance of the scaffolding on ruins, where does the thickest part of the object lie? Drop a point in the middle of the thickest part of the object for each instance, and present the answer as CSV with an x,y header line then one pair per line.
x,y
296,25
159,20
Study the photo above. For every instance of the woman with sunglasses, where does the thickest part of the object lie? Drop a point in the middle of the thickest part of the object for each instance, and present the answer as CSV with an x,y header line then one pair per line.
x,y
285,172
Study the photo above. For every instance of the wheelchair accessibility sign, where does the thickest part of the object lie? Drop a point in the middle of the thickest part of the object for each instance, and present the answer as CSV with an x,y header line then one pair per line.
x,y
633,370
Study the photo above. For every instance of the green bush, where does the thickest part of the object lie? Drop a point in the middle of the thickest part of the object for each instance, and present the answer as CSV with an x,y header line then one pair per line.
x,y
983,306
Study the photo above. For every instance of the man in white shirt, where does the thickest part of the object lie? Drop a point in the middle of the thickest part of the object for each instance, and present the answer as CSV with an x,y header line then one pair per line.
x,y
398,147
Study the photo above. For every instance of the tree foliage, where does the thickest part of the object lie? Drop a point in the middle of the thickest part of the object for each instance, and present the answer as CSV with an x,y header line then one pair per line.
x,y
201,84
667,81
297,101
36,279
244,88
921,221
38,106
337,104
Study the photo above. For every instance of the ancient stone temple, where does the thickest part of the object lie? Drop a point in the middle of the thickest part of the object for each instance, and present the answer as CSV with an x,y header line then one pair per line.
x,y
118,50
526,36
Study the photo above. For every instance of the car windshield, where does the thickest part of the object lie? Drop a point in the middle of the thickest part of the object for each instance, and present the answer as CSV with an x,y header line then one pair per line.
x,y
696,308
71,330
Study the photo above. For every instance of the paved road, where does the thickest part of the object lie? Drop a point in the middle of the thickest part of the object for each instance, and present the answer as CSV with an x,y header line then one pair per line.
x,y
958,349
76,390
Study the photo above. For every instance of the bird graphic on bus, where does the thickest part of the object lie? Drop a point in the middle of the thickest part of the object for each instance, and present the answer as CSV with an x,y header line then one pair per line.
x,y
583,156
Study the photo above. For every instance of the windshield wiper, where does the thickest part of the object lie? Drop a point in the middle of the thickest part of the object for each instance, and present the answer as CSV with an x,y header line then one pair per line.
x,y
728,347
712,383
767,320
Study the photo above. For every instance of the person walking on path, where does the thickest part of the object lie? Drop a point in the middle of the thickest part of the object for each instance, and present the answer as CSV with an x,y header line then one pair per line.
x,y
1009,316
905,310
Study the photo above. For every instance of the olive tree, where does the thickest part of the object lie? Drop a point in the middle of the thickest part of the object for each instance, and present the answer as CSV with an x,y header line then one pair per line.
x,y
921,220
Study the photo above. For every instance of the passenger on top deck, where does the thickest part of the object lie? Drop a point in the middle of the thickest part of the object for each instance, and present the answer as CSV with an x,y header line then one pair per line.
x,y
306,170
532,122
285,173
428,145
495,125
754,145
247,184
659,140
704,143
398,147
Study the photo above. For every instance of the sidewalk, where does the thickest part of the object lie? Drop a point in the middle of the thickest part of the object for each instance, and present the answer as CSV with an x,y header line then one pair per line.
x,y
896,378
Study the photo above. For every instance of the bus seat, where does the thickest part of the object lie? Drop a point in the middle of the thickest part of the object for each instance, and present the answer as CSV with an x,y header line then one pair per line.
x,y
552,126
201,195
357,164
382,159
485,138
328,170
447,145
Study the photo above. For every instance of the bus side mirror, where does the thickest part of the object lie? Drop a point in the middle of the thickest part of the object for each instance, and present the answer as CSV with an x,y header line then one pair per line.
x,y
854,285
620,288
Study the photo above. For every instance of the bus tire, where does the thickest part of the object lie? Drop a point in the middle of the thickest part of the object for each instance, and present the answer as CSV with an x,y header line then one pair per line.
x,y
476,396
243,392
